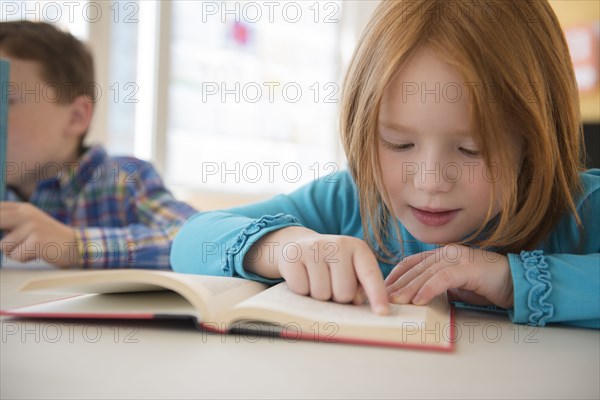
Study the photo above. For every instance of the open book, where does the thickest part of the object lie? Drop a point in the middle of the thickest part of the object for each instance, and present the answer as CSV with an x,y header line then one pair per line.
x,y
221,304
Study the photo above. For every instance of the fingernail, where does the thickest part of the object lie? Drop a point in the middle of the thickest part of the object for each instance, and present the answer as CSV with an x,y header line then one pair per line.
x,y
382,309
398,298
418,300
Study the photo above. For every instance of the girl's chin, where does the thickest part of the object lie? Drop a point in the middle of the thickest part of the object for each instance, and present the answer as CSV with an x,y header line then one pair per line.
x,y
434,237
437,235
437,242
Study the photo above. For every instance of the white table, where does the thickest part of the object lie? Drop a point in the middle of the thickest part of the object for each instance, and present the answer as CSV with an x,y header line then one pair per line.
x,y
87,359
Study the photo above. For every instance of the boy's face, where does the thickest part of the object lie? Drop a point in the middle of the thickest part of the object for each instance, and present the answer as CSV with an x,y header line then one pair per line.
x,y
41,135
432,167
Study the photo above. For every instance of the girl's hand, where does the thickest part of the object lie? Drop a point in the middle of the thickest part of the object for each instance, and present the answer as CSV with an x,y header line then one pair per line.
x,y
471,275
325,267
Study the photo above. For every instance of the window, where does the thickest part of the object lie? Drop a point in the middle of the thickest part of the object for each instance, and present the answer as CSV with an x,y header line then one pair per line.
x,y
253,94
222,96
70,15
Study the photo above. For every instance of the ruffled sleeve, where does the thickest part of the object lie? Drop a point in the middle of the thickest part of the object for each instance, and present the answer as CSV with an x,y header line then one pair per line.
x,y
234,265
559,282
215,243
532,286
556,288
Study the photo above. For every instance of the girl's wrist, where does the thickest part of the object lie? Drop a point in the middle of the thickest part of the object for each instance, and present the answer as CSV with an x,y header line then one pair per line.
x,y
264,256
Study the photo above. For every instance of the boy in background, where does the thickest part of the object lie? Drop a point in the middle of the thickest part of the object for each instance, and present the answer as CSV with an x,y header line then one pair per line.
x,y
70,205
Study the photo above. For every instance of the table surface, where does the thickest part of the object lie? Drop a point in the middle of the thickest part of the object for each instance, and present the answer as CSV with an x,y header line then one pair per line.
x,y
133,359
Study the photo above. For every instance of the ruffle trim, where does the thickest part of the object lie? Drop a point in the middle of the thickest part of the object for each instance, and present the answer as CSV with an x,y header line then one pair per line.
x,y
250,230
538,275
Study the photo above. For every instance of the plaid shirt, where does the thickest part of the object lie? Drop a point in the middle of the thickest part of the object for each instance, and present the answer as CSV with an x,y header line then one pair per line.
x,y
123,215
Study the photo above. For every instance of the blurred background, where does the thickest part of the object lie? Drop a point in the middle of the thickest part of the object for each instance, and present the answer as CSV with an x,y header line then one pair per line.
x,y
234,101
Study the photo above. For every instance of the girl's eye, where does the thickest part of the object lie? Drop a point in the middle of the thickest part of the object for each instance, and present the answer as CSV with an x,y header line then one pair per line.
x,y
470,152
398,146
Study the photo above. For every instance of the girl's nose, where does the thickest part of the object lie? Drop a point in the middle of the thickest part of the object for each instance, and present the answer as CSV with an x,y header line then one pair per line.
x,y
435,177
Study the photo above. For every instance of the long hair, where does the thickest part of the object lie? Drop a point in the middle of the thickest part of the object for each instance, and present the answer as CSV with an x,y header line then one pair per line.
x,y
524,91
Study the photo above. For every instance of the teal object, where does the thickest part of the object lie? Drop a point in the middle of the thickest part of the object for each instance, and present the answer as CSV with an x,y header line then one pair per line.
x,y
4,69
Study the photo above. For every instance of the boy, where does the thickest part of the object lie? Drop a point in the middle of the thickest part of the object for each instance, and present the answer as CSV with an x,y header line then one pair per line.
x,y
70,205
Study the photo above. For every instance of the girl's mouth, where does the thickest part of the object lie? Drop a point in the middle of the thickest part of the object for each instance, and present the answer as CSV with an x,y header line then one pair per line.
x,y
432,217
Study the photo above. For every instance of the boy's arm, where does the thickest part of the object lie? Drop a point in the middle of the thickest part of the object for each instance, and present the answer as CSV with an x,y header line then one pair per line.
x,y
151,219
32,234
143,242
121,216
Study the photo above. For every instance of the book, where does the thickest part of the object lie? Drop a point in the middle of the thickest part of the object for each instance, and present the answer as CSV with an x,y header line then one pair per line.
x,y
4,81
4,76
229,305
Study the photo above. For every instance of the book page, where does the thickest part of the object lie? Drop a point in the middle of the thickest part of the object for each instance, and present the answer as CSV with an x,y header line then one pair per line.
x,y
209,295
281,299
113,305
133,280
106,281
218,285
223,293
279,311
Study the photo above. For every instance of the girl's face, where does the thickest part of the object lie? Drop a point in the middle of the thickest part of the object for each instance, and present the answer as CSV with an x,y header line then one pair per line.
x,y
436,179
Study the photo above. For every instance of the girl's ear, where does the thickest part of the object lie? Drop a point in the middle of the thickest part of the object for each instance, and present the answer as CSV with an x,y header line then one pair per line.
x,y
80,116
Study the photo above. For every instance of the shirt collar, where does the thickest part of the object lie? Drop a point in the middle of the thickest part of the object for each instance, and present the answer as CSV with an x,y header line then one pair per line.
x,y
72,177
76,175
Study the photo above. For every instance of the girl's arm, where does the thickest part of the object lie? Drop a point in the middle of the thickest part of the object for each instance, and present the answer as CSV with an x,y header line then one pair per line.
x,y
216,243
310,238
560,282
561,288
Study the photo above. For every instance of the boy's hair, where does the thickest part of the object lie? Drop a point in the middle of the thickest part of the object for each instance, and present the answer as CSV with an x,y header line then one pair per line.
x,y
65,61
516,52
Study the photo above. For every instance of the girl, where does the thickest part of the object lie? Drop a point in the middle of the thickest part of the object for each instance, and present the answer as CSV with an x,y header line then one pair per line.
x,y
460,123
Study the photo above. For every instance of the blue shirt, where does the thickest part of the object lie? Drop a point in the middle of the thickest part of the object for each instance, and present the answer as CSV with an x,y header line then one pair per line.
x,y
558,282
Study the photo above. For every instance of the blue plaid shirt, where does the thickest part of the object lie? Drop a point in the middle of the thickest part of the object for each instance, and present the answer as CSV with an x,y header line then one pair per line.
x,y
123,214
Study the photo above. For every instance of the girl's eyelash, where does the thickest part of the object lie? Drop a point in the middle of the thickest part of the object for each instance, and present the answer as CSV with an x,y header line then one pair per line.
x,y
469,152
406,146
397,146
